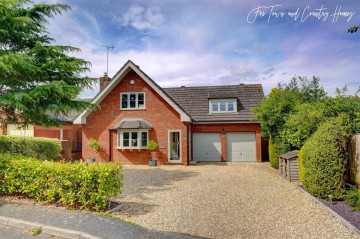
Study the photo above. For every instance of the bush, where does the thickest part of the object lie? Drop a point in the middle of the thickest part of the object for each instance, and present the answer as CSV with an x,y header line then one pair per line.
x,y
301,124
277,147
352,197
87,186
152,145
273,156
322,159
41,148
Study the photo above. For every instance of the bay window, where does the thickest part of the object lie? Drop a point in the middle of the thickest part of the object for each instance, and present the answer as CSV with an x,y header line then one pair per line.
x,y
132,139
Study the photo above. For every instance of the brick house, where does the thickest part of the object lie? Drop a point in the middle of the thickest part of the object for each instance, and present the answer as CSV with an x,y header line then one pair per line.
x,y
68,133
189,123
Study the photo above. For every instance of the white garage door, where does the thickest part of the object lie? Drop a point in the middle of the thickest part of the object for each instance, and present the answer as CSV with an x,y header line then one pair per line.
x,y
207,147
241,147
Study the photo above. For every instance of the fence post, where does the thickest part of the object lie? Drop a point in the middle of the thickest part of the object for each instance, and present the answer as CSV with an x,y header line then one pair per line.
x,y
354,162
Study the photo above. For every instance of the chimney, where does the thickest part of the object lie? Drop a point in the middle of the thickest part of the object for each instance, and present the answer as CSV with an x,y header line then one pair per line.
x,y
104,80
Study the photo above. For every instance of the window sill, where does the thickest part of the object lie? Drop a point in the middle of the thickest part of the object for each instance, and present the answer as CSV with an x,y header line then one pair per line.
x,y
212,113
131,149
134,109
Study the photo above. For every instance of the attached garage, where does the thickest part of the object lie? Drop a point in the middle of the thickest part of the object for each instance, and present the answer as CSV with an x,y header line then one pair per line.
x,y
207,147
241,147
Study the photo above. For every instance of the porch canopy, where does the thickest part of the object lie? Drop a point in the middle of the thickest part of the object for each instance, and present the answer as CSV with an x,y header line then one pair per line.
x,y
132,123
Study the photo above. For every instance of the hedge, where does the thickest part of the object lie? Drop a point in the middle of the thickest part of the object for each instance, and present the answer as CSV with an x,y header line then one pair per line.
x,y
79,185
277,147
273,156
41,148
322,160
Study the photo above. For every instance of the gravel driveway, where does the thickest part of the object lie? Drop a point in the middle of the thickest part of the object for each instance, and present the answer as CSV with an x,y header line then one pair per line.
x,y
233,200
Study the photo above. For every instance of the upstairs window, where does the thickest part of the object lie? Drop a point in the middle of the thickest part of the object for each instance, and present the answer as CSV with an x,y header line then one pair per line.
x,y
222,106
133,100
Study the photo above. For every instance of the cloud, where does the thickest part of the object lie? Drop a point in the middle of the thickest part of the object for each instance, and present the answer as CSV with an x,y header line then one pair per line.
x,y
269,70
141,18
92,20
244,70
183,44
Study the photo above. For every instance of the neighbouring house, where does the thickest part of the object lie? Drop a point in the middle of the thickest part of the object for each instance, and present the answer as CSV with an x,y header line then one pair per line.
x,y
69,134
208,123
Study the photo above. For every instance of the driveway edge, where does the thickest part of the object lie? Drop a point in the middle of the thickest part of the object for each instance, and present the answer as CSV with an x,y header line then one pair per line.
x,y
333,213
46,229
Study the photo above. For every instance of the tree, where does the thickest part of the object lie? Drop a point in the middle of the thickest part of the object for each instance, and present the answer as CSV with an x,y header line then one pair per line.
x,y
353,29
38,80
301,124
282,101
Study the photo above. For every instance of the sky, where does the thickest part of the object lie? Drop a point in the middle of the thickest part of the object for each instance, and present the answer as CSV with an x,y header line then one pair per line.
x,y
217,42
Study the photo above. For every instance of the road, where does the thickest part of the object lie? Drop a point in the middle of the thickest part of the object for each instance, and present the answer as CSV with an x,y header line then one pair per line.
x,y
13,233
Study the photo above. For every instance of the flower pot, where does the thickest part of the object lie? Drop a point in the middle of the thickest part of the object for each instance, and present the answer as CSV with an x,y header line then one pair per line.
x,y
152,162
90,160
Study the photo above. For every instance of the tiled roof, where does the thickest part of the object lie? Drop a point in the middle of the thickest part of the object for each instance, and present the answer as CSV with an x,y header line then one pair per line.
x,y
132,123
195,101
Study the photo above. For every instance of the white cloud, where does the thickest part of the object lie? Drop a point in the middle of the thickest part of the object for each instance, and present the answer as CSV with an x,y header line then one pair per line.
x,y
190,48
92,20
141,18
244,70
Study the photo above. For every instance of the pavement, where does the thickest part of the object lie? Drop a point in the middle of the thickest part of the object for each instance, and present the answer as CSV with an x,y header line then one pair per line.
x,y
18,219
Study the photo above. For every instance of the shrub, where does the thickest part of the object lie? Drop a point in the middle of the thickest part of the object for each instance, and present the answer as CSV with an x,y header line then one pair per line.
x,y
151,145
41,148
87,186
95,145
352,197
273,156
301,124
322,159
277,147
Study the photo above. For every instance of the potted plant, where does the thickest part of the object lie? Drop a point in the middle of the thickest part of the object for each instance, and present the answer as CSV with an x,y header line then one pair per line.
x,y
152,146
95,145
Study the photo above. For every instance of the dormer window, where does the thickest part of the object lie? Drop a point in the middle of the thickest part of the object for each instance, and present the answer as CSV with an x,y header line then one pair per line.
x,y
222,106
132,100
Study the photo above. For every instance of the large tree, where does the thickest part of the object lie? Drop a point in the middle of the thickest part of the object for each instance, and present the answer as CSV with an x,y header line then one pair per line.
x,y
38,80
353,29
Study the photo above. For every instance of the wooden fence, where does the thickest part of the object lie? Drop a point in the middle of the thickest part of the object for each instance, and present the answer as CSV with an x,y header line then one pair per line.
x,y
354,162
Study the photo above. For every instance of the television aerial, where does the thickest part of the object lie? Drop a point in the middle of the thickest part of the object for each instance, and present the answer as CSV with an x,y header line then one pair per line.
x,y
108,48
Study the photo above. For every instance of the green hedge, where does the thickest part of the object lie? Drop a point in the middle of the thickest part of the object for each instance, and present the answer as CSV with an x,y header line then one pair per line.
x,y
82,185
41,148
273,156
322,159
277,147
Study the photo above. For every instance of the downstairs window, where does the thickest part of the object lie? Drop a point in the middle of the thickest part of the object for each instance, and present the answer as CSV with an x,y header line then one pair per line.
x,y
132,139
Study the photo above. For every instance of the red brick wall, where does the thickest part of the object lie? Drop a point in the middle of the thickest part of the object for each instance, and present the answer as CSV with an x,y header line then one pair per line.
x,y
158,113
55,133
70,132
223,128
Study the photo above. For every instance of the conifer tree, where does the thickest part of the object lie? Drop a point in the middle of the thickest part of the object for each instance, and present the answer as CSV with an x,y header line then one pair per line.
x,y
38,79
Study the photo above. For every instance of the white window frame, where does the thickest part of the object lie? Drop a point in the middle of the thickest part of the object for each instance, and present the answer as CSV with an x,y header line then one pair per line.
x,y
128,103
120,137
226,101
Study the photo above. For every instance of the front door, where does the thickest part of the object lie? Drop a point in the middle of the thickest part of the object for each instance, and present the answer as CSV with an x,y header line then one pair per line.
x,y
174,146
